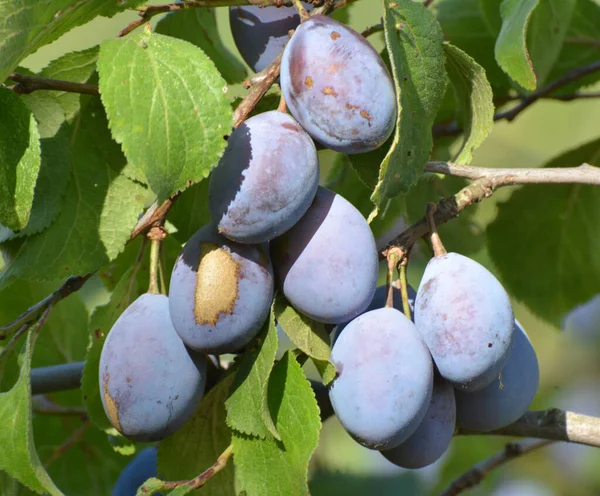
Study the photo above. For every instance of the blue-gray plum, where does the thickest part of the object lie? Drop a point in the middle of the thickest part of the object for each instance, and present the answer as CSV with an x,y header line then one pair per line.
x,y
137,471
337,87
260,33
508,396
150,382
466,319
327,263
220,292
378,301
265,180
434,434
384,378
583,321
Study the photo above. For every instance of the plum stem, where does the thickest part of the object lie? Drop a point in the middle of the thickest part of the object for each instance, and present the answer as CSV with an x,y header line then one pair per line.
x,y
438,247
392,263
282,107
404,289
301,10
162,269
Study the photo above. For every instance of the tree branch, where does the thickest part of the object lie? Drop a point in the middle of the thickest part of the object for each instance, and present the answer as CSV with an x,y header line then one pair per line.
x,y
55,378
475,475
29,84
453,128
485,182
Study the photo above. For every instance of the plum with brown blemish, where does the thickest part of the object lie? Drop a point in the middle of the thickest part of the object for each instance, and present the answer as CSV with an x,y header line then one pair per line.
x,y
385,378
434,434
337,87
327,263
508,396
220,292
465,317
260,33
150,383
265,180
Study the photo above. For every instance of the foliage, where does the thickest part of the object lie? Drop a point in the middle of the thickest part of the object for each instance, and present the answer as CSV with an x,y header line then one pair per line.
x,y
148,121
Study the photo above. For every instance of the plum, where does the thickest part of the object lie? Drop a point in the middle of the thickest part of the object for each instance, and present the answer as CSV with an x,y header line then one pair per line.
x,y
260,33
266,179
434,434
337,87
508,396
327,263
466,319
384,378
150,383
220,292
137,471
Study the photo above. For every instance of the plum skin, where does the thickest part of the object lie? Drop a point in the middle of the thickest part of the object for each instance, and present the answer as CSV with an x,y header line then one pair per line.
x,y
141,468
434,434
150,383
385,378
220,292
337,87
260,33
265,180
466,319
508,397
327,263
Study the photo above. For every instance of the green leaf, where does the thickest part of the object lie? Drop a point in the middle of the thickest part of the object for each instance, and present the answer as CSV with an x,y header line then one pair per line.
x,y
267,466
326,370
19,160
99,211
100,325
474,99
190,211
473,26
198,444
307,334
414,40
580,47
546,34
511,46
247,410
558,225
199,27
166,106
18,456
27,25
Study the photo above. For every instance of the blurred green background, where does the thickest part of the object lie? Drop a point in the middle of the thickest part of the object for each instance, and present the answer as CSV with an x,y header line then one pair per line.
x,y
569,365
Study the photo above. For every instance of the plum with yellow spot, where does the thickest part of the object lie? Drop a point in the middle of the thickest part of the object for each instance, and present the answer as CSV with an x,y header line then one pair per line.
x,y
150,383
220,292
337,87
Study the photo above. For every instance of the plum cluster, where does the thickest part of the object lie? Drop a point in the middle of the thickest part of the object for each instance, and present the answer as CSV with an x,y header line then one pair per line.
x,y
403,387
272,227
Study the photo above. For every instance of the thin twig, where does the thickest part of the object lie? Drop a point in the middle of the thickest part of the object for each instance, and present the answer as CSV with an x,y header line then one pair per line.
x,y
475,475
582,41
452,129
73,439
199,481
375,28
44,406
28,84
301,10
485,182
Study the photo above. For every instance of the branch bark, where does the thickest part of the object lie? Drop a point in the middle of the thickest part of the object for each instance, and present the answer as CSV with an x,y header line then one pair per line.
x,y
28,84
475,475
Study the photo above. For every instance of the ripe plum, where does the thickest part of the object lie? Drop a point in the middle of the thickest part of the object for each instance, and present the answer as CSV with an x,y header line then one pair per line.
x,y
220,292
337,86
327,263
265,180
150,382
137,471
385,378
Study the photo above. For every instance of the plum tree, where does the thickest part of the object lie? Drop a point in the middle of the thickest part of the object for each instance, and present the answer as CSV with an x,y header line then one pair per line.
x,y
150,383
508,396
327,263
434,434
466,319
337,87
266,179
260,33
142,467
220,292
384,378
